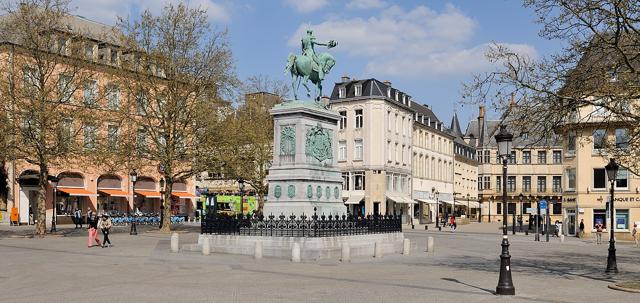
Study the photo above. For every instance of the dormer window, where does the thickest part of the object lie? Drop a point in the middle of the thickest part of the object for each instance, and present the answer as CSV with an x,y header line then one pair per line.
x,y
404,99
613,75
388,92
397,96
358,90
88,51
342,92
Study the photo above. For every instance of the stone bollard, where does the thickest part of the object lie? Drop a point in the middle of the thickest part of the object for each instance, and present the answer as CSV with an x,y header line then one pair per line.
x,y
430,247
206,246
257,254
175,242
561,238
406,248
377,250
295,253
346,252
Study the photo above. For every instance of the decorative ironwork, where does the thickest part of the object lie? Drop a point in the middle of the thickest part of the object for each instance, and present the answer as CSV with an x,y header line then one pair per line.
x,y
302,226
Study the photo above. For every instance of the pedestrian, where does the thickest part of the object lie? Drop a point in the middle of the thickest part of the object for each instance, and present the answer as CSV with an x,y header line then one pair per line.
x,y
558,228
635,235
92,222
452,222
77,218
446,218
105,227
581,231
599,233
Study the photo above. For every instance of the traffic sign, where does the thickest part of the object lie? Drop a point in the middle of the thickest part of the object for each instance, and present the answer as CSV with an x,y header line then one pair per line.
x,y
543,204
531,210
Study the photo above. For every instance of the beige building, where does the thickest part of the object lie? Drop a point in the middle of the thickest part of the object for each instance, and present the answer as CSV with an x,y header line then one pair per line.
x,y
534,173
374,146
433,162
586,190
465,174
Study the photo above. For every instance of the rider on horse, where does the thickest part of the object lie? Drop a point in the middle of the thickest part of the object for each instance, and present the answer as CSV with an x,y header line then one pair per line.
x,y
308,42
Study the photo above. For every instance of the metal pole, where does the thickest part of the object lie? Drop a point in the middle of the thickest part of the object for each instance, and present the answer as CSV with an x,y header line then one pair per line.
x,y
505,283
612,265
537,220
55,213
513,221
548,219
438,212
134,230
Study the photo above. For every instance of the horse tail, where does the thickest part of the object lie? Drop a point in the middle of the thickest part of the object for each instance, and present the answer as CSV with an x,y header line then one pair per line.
x,y
290,62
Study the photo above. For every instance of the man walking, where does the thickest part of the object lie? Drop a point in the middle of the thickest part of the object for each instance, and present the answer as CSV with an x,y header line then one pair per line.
x,y
581,231
77,218
634,234
599,233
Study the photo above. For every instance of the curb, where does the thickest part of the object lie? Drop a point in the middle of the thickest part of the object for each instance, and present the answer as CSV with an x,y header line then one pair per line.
x,y
616,287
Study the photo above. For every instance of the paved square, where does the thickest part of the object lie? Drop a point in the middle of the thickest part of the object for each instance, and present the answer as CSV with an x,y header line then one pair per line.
x,y
464,268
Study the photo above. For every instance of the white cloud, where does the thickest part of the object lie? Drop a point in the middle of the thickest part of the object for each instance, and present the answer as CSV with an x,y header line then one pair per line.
x,y
365,4
417,42
107,11
306,6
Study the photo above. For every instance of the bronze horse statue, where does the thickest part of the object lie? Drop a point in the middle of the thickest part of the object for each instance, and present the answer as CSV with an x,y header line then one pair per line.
x,y
300,66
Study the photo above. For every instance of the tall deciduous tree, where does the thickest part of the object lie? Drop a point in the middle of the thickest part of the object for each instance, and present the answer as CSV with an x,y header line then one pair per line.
x,y
40,78
250,149
592,82
184,68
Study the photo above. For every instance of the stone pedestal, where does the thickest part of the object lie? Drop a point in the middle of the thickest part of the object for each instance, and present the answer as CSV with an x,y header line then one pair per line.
x,y
303,175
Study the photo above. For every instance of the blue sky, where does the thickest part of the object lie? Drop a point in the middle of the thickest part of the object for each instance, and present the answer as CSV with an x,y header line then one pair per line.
x,y
425,48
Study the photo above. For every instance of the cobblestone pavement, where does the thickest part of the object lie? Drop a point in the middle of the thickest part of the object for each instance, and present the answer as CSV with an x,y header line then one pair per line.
x,y
464,268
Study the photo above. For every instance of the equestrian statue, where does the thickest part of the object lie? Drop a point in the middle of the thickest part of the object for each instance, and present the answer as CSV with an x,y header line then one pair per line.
x,y
310,66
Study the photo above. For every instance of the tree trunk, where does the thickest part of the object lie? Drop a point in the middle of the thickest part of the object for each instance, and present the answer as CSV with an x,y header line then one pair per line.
x,y
40,213
166,213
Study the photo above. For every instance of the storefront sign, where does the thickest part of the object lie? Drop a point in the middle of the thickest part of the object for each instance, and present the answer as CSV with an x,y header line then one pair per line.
x,y
627,199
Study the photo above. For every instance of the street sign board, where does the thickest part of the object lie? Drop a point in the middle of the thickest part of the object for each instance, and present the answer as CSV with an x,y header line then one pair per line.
x,y
543,211
531,210
543,204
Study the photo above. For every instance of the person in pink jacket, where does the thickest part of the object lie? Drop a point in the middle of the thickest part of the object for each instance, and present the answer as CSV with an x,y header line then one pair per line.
x,y
92,221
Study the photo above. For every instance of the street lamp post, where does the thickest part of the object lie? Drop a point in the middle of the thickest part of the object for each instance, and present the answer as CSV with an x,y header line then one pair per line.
x,y
505,283
162,191
241,187
468,209
612,172
521,217
54,183
438,211
489,218
133,175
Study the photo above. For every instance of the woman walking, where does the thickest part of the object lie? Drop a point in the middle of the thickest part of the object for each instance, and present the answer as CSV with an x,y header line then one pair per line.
x,y
105,226
92,221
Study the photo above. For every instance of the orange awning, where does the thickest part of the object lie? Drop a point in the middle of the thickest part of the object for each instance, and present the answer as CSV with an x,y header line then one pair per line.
x,y
113,192
148,193
183,195
78,192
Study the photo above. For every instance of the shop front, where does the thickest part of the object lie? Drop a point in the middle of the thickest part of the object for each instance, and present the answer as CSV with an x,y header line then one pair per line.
x,y
593,209
182,202
72,195
147,197
112,198
354,201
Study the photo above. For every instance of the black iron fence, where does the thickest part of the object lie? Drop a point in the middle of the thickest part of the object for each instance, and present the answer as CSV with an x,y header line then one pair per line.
x,y
302,226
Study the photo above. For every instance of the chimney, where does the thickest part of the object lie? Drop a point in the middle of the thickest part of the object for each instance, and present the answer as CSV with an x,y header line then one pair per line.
x,y
513,100
387,82
481,111
325,101
344,78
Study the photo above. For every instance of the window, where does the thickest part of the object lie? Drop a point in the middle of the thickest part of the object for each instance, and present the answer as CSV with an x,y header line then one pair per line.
x,y
511,183
66,131
598,108
343,119
342,151
390,182
358,180
90,93
388,92
113,97
141,141
65,88
498,183
90,136
487,182
404,127
358,149
622,138
88,51
622,218
487,156
599,178
499,208
542,157
524,136
557,157
598,139
345,181
480,184
542,184
397,152
512,157
557,208
359,120
511,208
526,184
557,184
600,217
389,151
571,177
397,96
342,92
622,179
571,142
389,120
526,157
142,103
31,79
112,136
358,90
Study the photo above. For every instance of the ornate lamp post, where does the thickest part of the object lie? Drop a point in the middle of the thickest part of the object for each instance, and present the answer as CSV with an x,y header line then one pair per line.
x,y
54,183
612,172
133,176
521,196
241,187
505,283
162,191
468,209
438,210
